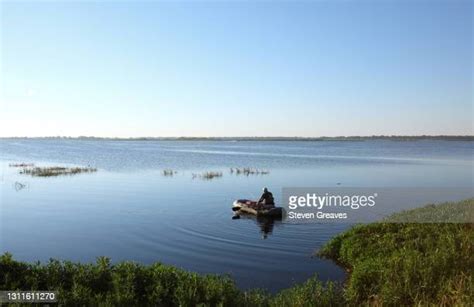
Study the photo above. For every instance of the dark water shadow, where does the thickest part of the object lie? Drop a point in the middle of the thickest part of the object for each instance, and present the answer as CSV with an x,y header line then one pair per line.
x,y
266,224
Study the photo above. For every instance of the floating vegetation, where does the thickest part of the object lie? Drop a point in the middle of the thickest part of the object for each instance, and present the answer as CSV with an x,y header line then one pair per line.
x,y
21,164
169,172
208,175
211,175
19,186
56,171
247,171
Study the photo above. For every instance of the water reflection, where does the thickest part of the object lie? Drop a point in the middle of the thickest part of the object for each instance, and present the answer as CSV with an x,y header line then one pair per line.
x,y
266,224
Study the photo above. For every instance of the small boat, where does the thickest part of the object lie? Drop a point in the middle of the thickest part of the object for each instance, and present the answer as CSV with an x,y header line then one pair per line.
x,y
251,207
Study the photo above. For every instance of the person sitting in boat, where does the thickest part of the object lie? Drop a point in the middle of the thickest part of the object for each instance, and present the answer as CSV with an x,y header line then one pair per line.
x,y
266,198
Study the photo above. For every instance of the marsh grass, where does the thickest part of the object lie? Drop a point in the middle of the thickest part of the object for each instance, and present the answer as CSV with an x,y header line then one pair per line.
x,y
21,164
18,186
169,172
133,284
408,263
247,171
449,212
56,171
207,175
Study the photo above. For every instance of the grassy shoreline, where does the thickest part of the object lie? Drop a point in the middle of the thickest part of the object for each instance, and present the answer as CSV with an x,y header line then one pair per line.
x,y
393,263
388,264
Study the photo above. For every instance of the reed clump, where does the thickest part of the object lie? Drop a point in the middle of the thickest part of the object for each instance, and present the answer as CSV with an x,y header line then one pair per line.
x,y
208,175
53,171
247,171
19,186
169,172
21,164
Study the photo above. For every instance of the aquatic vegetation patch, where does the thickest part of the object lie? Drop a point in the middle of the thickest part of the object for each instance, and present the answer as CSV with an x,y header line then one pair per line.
x,y
53,171
207,175
169,172
247,171
18,186
21,164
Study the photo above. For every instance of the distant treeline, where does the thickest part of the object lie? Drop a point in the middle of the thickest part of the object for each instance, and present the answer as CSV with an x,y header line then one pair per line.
x,y
277,138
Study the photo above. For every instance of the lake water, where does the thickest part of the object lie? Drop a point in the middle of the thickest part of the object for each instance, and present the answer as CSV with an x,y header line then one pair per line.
x,y
129,211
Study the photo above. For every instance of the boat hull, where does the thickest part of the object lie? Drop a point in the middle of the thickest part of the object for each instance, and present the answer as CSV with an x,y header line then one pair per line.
x,y
251,207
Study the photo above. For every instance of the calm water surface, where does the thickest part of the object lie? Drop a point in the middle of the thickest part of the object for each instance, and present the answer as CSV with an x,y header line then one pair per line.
x,y
129,211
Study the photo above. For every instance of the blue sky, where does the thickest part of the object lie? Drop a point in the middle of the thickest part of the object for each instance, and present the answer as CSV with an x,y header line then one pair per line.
x,y
240,68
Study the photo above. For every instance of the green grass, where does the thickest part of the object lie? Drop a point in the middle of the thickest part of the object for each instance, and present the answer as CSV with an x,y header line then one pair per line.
x,y
450,212
391,264
408,263
133,284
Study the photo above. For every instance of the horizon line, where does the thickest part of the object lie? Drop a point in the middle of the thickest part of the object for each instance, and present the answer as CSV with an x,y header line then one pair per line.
x,y
244,137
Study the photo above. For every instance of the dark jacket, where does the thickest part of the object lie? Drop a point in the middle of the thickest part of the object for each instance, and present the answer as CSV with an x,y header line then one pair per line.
x,y
267,199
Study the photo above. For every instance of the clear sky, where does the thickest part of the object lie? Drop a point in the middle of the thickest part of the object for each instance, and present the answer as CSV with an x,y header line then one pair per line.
x,y
240,68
